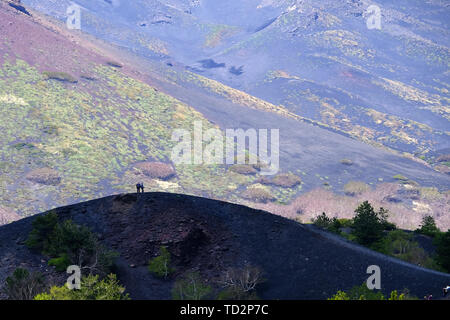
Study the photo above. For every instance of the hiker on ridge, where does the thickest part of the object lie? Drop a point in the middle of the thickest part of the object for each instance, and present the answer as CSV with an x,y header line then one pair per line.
x,y
142,187
138,187
445,290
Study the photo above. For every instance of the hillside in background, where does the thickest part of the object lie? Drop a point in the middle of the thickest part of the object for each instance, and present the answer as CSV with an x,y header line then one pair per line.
x,y
83,118
387,87
210,237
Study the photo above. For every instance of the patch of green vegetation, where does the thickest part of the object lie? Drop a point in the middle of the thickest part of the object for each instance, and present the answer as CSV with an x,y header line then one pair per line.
x,y
218,33
353,188
364,293
442,241
94,134
428,227
430,193
401,245
400,177
368,225
92,288
371,229
60,76
23,285
61,263
68,243
160,265
243,169
257,193
23,145
330,224
287,180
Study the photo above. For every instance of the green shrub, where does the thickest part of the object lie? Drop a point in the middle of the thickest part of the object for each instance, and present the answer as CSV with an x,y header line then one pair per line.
x,y
60,76
287,180
160,266
258,194
358,293
368,225
324,222
61,263
191,287
400,177
346,223
157,170
364,293
91,289
23,285
443,250
340,295
428,226
68,243
69,238
43,226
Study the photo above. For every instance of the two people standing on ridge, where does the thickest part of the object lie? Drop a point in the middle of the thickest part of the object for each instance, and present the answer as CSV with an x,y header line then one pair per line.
x,y
140,187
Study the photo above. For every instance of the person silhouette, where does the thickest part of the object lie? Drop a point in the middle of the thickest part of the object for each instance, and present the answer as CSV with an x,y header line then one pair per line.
x,y
445,291
142,187
138,187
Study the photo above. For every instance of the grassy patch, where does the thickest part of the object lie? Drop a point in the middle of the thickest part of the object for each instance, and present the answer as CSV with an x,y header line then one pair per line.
x,y
160,265
354,188
257,193
60,76
243,169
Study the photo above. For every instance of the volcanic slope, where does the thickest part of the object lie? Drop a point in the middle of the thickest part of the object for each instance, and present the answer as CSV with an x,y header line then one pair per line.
x,y
298,261
387,86
81,122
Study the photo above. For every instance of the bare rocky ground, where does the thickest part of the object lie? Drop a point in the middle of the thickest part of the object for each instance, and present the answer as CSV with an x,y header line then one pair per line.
x,y
298,261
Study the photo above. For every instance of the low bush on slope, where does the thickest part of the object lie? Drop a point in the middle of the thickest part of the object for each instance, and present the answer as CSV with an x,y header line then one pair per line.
x,y
92,288
23,285
363,293
68,243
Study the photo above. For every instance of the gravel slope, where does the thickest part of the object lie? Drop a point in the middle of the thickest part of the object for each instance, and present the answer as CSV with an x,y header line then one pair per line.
x,y
299,262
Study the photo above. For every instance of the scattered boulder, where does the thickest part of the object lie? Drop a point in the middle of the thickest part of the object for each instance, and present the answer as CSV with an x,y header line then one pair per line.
x,y
45,176
157,170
